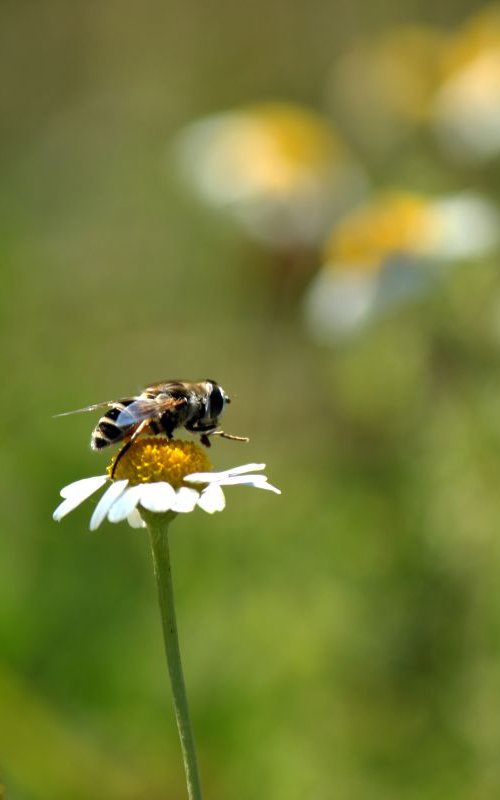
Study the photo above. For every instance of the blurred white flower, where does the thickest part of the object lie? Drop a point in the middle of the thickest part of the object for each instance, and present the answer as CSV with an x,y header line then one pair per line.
x,y
393,251
180,493
413,74
466,109
384,85
277,168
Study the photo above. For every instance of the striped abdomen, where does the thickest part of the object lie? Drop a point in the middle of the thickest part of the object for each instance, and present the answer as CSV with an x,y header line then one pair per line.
x,y
106,431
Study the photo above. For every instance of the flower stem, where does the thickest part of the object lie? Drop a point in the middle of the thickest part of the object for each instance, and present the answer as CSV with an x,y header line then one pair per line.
x,y
158,531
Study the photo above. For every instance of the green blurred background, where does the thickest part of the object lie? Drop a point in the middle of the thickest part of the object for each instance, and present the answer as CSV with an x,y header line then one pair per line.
x,y
339,641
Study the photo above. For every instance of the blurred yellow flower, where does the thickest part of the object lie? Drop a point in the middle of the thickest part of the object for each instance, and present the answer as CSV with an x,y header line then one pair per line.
x,y
278,168
389,252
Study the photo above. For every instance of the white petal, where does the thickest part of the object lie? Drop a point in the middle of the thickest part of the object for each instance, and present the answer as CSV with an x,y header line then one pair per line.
x,y
185,500
84,487
125,504
157,497
212,499
66,506
105,503
257,481
217,477
75,497
268,487
135,520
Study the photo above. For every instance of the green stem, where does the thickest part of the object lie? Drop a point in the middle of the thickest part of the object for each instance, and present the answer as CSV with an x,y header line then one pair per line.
x,y
158,531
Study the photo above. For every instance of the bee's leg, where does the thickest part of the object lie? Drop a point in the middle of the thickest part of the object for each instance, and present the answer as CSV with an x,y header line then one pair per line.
x,y
225,435
203,429
140,429
119,456
165,425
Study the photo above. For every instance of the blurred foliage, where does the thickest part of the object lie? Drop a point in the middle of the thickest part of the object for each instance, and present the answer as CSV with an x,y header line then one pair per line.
x,y
340,641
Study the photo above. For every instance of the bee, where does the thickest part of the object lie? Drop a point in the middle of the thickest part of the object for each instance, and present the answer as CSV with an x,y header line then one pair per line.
x,y
160,409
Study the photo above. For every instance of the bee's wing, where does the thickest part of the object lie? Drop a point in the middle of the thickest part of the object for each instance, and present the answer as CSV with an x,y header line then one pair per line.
x,y
106,404
146,408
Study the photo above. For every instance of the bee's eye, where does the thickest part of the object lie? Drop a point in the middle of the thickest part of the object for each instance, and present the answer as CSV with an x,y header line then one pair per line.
x,y
216,401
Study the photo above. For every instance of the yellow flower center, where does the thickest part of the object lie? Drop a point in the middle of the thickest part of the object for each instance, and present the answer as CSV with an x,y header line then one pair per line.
x,y
151,460
395,222
277,148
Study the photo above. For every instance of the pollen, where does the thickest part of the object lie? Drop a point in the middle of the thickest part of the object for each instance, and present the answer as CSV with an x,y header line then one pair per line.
x,y
153,460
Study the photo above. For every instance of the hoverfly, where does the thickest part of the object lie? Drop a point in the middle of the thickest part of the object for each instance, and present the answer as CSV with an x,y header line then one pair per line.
x,y
160,409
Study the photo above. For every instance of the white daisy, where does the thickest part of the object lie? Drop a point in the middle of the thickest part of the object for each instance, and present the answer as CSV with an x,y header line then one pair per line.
x,y
393,250
465,110
158,476
277,168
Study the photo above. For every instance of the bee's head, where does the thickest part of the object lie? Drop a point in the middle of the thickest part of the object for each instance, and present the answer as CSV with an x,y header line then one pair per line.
x,y
216,400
